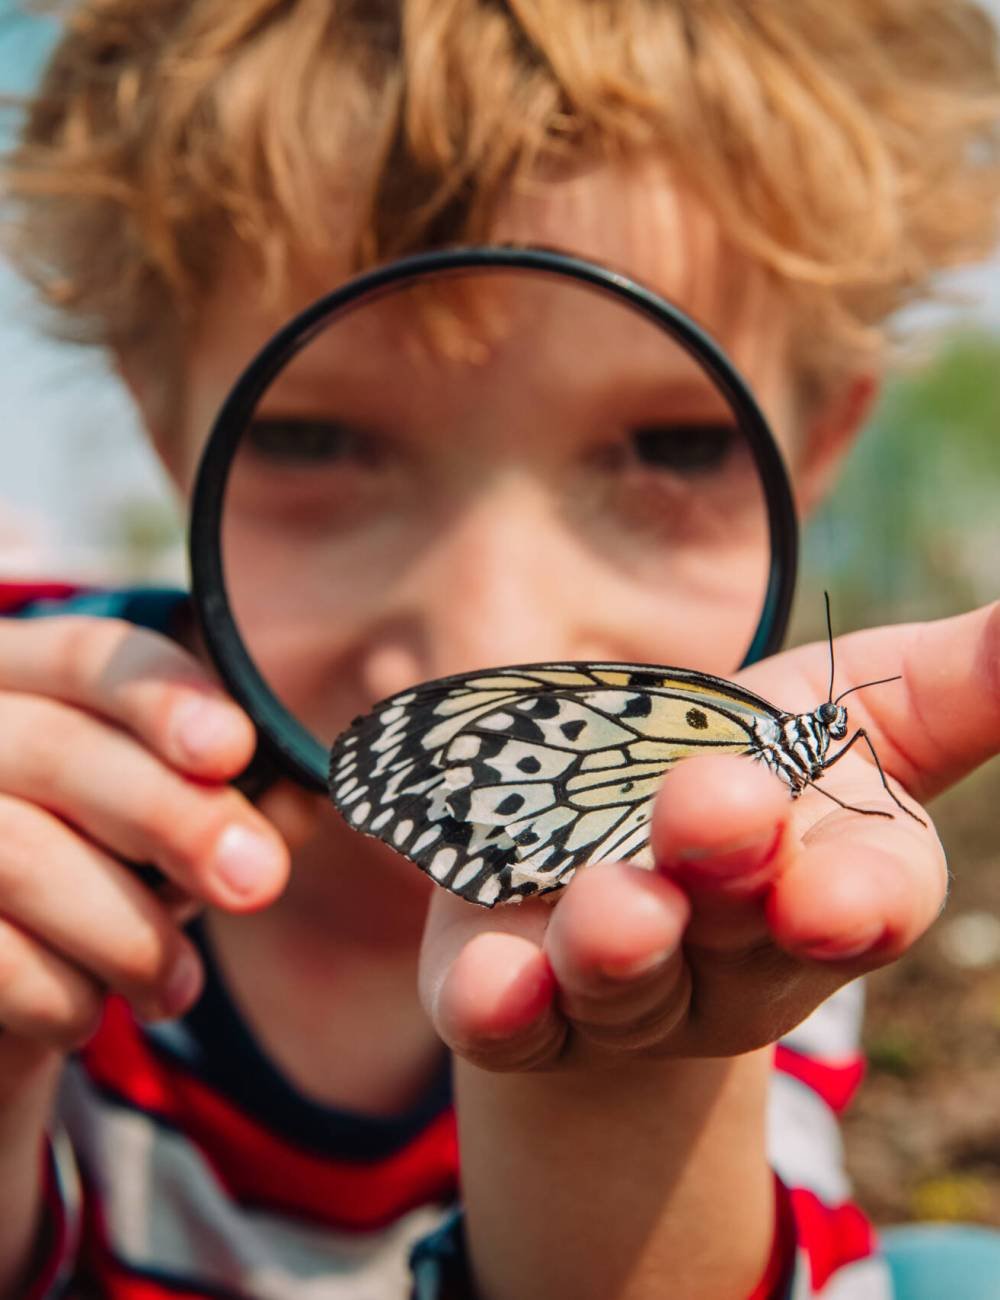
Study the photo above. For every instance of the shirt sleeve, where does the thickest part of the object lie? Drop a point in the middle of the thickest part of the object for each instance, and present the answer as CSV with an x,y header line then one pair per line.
x,y
818,1069
814,1256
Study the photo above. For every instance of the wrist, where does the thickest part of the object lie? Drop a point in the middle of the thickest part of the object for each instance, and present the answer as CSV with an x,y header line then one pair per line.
x,y
645,1169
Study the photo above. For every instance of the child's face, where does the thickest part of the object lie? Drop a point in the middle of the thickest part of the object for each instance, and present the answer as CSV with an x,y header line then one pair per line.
x,y
507,500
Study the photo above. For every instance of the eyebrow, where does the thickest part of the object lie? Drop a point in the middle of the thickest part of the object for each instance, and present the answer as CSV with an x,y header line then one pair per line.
x,y
315,384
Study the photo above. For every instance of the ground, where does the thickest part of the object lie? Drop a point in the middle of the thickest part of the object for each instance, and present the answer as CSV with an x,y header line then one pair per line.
x,y
923,1136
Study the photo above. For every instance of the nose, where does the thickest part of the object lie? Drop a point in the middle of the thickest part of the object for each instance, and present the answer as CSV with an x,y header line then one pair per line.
x,y
503,582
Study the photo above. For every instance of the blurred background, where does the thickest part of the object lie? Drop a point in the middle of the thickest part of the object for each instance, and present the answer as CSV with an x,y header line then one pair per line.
x,y
912,532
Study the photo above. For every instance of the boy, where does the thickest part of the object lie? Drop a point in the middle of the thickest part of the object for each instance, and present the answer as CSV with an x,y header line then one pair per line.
x,y
190,172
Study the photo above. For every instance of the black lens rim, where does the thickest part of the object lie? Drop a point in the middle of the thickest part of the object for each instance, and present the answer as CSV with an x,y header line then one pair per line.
x,y
297,752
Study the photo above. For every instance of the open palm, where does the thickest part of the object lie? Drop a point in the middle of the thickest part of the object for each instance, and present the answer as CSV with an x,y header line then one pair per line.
x,y
758,907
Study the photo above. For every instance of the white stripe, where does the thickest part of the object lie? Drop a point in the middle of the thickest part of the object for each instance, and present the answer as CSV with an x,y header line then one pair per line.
x,y
70,1196
832,1032
803,1140
801,1288
865,1279
166,1210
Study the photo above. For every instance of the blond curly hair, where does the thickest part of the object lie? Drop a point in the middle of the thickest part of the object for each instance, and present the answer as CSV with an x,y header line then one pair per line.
x,y
849,148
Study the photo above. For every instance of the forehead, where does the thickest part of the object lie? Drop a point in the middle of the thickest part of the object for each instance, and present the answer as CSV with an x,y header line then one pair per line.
x,y
633,218
636,218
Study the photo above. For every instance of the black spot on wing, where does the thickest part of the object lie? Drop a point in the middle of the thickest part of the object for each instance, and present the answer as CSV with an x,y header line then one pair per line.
x,y
520,728
572,730
541,706
460,803
697,719
639,706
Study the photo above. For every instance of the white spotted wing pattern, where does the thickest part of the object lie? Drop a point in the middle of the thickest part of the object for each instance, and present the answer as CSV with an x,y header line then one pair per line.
x,y
501,783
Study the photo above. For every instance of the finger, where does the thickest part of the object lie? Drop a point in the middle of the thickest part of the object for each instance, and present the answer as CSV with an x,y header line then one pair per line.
x,y
614,944
207,839
859,890
42,997
81,904
722,831
943,719
135,678
487,985
296,814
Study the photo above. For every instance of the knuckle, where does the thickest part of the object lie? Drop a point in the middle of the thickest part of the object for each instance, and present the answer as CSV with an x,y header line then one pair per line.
x,y
84,646
519,1055
613,1028
43,736
164,809
11,965
31,842
70,1021
23,845
60,1009
143,959
188,823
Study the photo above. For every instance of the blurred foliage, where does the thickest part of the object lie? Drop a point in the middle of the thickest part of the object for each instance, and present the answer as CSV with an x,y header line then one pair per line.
x,y
894,1050
147,534
913,528
913,532
952,1198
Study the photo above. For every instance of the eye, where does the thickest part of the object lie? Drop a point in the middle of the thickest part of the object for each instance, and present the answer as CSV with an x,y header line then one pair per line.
x,y
292,441
689,448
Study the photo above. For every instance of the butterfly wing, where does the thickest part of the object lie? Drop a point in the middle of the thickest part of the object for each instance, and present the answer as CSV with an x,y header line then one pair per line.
x,y
501,783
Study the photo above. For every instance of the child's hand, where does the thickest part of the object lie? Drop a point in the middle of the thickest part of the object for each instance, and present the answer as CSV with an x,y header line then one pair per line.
x,y
760,907
115,747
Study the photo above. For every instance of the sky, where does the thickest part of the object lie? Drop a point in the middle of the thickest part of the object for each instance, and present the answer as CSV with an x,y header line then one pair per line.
x,y
71,459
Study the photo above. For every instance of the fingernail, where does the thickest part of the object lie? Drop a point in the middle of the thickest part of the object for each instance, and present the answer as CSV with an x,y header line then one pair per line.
x,y
183,984
201,727
245,861
757,850
631,970
844,949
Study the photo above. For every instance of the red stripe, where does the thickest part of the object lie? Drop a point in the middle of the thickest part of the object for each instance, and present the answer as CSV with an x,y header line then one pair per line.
x,y
831,1235
57,1228
836,1082
256,1166
116,1284
779,1268
14,596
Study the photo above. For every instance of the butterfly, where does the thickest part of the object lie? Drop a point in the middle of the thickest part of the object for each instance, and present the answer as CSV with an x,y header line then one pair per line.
x,y
501,783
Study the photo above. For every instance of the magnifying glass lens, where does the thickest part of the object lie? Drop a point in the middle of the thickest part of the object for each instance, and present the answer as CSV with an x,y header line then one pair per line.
x,y
475,449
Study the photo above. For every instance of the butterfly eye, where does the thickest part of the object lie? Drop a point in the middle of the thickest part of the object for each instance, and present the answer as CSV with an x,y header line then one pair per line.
x,y
684,448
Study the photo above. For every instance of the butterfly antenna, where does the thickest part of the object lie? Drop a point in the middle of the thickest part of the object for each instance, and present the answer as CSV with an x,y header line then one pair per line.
x,y
829,637
881,682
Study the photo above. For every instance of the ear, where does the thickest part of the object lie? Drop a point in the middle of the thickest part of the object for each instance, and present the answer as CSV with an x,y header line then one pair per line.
x,y
831,430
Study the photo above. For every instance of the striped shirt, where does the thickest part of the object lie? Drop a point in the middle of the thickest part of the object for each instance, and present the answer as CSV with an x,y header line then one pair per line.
x,y
181,1164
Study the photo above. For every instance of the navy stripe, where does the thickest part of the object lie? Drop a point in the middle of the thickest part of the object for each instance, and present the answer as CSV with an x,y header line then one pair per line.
x,y
218,1049
151,607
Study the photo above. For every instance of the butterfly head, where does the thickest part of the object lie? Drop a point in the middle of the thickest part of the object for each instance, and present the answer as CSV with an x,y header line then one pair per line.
x,y
833,718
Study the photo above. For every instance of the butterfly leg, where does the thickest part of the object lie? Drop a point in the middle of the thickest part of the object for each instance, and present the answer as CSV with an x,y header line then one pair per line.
x,y
861,734
866,812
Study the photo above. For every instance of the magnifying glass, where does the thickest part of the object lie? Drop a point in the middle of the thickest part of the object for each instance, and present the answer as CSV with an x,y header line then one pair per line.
x,y
378,417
